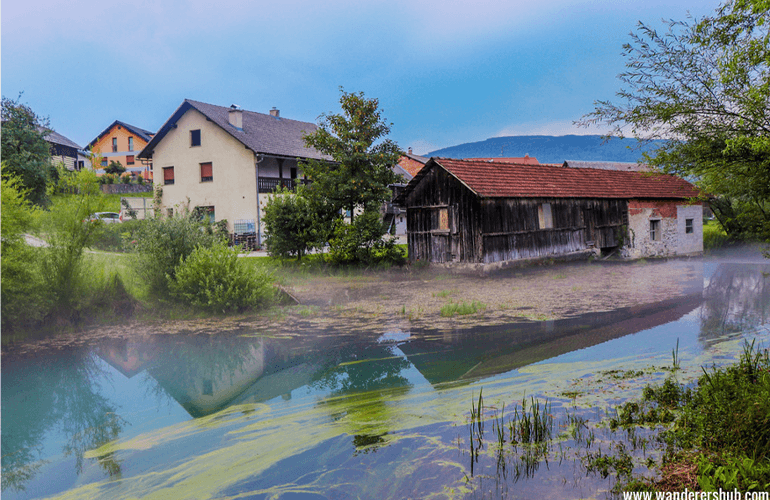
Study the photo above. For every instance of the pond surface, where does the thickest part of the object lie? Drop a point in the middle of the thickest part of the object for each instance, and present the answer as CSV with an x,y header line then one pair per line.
x,y
334,412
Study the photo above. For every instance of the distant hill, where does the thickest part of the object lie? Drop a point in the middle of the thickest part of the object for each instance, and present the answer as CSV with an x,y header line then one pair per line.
x,y
551,149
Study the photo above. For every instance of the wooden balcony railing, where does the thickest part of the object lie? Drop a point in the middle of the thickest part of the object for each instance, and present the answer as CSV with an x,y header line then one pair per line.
x,y
270,184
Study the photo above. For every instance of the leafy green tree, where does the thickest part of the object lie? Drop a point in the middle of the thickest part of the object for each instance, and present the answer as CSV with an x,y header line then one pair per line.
x,y
115,167
290,224
69,231
22,300
355,141
704,86
25,152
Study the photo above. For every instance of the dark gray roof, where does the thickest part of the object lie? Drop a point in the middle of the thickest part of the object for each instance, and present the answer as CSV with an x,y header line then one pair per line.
x,y
56,138
608,165
421,159
261,133
140,132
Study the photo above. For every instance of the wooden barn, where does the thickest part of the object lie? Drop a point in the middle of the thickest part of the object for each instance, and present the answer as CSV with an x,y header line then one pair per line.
x,y
477,211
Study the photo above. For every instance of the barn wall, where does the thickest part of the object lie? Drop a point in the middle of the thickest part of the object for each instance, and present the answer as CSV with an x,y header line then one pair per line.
x,y
511,227
443,220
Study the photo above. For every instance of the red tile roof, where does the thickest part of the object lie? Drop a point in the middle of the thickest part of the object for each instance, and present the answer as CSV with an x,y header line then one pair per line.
x,y
508,180
524,160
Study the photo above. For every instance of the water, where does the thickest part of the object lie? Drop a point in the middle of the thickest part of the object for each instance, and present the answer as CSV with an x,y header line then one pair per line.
x,y
328,412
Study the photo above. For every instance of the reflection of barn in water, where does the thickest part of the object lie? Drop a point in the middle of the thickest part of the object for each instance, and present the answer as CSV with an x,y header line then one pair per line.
x,y
492,350
127,355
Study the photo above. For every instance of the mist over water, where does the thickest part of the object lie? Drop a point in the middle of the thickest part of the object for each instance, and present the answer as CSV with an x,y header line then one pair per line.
x,y
333,412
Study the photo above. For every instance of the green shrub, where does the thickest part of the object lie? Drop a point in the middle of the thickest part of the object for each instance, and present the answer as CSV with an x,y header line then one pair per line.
x,y
364,241
213,278
117,237
714,236
289,224
22,284
162,242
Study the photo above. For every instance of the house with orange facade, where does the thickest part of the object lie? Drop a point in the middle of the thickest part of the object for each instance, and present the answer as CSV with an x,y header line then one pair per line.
x,y
122,142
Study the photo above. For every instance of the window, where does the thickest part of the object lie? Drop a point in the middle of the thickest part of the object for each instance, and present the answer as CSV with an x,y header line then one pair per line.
x,y
104,162
205,214
130,143
81,164
168,175
130,160
207,174
114,144
655,230
443,219
195,137
688,229
544,217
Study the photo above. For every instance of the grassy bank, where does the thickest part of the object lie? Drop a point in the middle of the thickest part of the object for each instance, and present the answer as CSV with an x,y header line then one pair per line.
x,y
717,433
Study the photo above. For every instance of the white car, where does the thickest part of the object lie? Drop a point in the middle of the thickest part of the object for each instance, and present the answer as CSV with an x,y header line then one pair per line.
x,y
106,217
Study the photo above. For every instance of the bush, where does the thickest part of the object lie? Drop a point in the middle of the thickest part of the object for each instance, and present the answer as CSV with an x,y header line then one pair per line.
x,y
214,278
22,284
289,224
714,236
162,243
364,241
125,178
118,237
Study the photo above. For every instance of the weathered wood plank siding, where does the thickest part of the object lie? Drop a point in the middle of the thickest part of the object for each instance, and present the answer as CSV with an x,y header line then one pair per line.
x,y
447,222
451,236
511,227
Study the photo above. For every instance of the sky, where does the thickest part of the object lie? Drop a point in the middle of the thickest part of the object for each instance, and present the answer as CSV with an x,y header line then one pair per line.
x,y
445,72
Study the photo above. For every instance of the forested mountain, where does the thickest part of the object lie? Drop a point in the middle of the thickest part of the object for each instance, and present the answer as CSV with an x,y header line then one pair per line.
x,y
551,149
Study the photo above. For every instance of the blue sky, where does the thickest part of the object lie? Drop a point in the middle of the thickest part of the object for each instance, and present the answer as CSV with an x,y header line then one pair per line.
x,y
445,72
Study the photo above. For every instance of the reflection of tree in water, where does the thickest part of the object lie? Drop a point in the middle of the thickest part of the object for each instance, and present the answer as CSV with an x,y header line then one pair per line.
x,y
736,299
362,384
54,393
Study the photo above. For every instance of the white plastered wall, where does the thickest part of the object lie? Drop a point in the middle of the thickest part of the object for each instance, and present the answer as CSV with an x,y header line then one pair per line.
x,y
233,190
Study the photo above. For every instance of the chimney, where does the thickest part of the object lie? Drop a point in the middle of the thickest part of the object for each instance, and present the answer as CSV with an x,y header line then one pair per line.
x,y
235,116
275,112
409,151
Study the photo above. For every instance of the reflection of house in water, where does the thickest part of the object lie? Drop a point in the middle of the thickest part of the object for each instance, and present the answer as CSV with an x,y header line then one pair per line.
x,y
491,350
737,298
214,373
128,356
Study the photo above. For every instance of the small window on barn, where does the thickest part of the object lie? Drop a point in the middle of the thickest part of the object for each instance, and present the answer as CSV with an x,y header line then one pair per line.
x,y
207,173
443,219
688,228
195,137
544,217
655,230
168,175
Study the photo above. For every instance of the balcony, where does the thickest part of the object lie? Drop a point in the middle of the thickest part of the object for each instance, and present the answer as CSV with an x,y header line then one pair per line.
x,y
270,184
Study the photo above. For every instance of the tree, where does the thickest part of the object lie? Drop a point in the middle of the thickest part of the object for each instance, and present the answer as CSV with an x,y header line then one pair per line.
x,y
115,167
363,160
25,152
704,86
290,224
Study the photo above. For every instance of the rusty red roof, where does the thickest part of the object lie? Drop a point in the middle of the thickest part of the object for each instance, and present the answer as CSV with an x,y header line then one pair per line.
x,y
508,180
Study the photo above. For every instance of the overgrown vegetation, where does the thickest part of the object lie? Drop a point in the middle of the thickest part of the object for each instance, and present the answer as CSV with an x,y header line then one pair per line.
x,y
720,430
213,278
